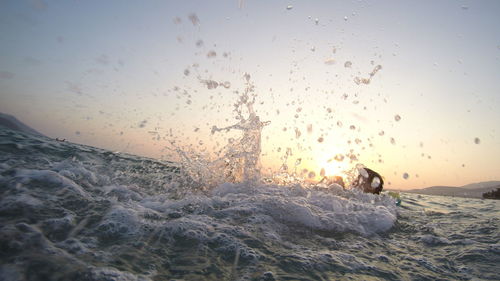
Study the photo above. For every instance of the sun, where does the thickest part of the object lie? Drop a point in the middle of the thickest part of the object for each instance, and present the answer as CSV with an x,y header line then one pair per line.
x,y
325,166
333,167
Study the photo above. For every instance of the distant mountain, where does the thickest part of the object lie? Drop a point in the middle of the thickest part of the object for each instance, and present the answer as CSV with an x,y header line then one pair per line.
x,y
474,190
481,184
11,122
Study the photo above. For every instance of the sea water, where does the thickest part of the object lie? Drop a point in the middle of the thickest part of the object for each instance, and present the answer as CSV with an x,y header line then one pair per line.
x,y
73,212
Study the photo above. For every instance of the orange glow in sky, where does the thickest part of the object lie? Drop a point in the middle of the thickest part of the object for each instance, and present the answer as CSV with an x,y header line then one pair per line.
x,y
368,82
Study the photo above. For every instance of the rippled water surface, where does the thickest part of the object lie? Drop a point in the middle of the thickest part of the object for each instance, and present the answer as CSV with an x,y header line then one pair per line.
x,y
71,212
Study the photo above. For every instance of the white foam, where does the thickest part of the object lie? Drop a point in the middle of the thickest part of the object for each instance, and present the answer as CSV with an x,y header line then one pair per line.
x,y
119,222
50,178
358,212
122,193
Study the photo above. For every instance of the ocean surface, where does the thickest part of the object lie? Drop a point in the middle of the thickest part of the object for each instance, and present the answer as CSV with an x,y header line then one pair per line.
x,y
73,212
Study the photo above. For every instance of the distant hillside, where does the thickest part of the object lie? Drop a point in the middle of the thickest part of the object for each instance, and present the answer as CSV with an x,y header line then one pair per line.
x,y
475,190
481,184
11,122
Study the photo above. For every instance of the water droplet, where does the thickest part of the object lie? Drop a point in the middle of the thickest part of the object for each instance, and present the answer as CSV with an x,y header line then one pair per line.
x,y
393,141
322,172
381,133
298,161
352,127
297,133
143,123
397,117
194,19
211,84
316,21
211,54
313,49
345,18
186,72
320,139
330,61
311,175
199,43
347,64
339,157
406,176
289,7
477,141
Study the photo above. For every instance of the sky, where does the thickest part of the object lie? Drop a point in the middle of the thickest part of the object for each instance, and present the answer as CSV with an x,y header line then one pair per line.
x,y
407,88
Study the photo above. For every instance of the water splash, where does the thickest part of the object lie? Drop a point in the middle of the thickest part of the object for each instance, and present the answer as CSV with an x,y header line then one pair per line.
x,y
242,156
366,81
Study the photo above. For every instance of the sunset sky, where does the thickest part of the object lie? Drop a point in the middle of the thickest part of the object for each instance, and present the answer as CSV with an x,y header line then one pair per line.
x,y
400,86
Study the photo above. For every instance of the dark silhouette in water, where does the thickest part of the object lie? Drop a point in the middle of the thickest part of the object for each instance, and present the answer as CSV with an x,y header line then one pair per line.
x,y
369,182
494,194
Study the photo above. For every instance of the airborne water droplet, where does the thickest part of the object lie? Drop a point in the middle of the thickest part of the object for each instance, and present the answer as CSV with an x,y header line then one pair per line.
x,y
339,157
297,133
406,176
330,61
397,117
194,19
211,54
347,64
477,141
289,7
